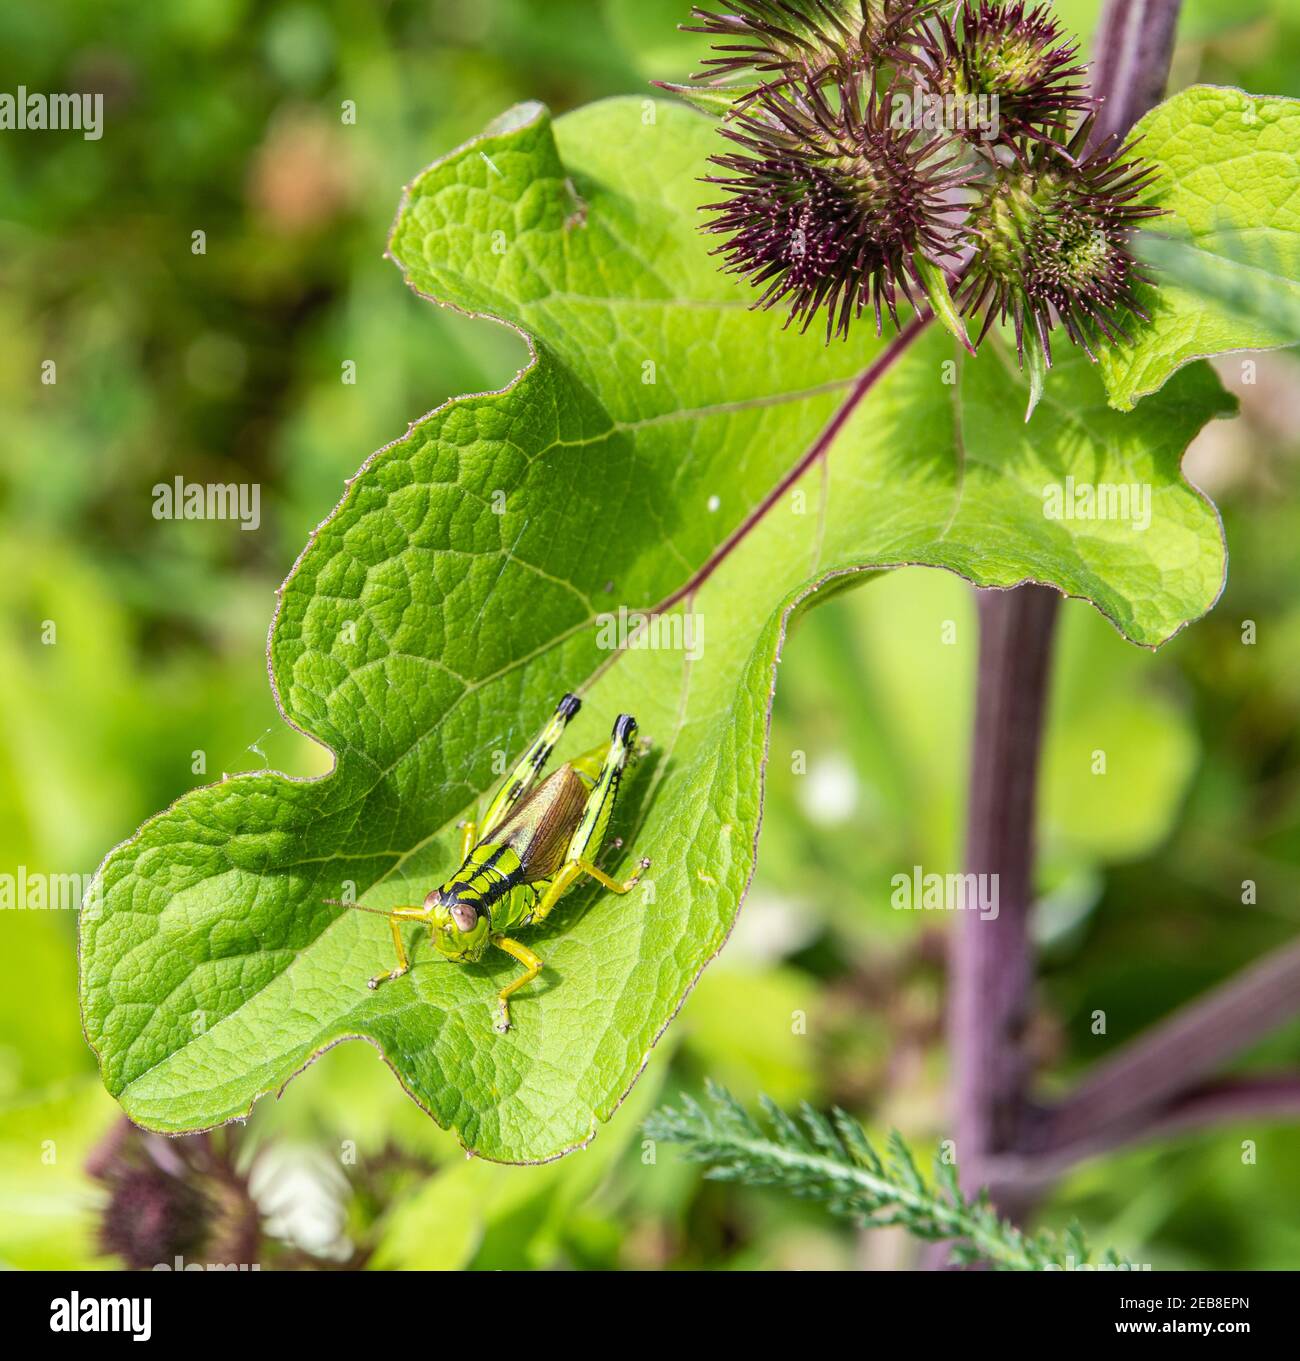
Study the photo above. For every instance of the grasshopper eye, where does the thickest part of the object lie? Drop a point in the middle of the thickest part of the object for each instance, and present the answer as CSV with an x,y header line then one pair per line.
x,y
464,916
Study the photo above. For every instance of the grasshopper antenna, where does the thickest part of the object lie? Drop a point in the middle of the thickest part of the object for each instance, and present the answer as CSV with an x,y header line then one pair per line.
x,y
358,907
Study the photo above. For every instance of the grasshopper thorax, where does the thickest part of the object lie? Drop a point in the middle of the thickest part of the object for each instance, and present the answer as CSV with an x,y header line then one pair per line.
x,y
460,927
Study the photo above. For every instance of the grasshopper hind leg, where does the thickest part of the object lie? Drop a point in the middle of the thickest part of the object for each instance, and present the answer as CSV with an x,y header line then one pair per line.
x,y
529,766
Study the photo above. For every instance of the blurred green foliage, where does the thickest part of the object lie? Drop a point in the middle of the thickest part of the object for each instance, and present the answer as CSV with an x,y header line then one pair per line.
x,y
225,117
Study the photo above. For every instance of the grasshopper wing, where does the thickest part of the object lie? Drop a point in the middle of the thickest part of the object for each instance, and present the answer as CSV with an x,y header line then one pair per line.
x,y
540,825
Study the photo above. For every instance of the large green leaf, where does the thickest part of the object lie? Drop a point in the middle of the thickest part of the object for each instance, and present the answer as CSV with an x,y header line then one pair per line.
x,y
1230,182
423,636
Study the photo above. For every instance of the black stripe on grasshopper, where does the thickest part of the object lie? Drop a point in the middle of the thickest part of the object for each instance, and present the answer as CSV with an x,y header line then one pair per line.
x,y
535,842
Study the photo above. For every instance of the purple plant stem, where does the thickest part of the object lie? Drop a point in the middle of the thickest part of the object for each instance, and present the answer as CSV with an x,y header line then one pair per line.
x,y
992,969
1153,1086
1153,1078
1259,1096
1256,1096
1134,45
991,965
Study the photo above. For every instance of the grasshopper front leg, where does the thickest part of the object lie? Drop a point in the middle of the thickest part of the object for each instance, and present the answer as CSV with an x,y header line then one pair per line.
x,y
468,838
396,919
531,961
532,967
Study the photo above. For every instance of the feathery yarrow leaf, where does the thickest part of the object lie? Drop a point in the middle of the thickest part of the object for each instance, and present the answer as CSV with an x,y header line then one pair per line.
x,y
831,1160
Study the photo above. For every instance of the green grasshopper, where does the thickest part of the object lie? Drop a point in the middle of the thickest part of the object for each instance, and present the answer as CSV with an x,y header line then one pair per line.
x,y
534,842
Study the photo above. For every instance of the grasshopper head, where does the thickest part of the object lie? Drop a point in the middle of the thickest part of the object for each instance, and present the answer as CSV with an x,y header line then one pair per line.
x,y
460,930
